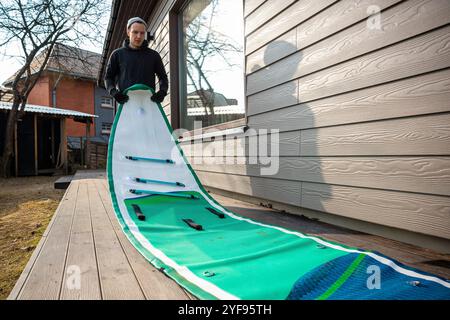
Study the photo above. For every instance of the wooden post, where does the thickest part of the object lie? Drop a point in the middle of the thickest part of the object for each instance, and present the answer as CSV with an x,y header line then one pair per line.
x,y
81,152
16,154
36,169
88,133
64,145
53,142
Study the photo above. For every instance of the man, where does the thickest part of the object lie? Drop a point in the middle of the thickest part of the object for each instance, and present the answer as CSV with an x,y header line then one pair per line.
x,y
135,63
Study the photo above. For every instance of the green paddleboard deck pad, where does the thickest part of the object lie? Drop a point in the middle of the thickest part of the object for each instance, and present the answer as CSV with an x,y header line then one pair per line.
x,y
216,254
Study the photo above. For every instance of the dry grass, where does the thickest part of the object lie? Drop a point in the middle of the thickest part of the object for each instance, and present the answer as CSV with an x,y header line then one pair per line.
x,y
26,207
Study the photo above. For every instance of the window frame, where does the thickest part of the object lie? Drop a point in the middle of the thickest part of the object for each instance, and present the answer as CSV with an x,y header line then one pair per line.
x,y
104,105
106,131
176,80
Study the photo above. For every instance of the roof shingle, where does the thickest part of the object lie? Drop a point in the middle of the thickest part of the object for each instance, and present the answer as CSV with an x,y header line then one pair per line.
x,y
67,60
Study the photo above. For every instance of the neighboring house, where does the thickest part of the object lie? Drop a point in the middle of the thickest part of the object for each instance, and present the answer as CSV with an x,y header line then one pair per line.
x,y
40,138
69,82
212,107
6,94
359,91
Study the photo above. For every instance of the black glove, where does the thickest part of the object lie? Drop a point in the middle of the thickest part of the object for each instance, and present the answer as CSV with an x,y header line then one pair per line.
x,y
159,96
119,96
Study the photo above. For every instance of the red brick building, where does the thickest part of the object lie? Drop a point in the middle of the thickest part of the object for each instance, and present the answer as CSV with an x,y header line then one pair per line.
x,y
71,93
68,82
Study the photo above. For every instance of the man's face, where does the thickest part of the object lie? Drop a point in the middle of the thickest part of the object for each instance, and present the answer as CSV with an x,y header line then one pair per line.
x,y
136,33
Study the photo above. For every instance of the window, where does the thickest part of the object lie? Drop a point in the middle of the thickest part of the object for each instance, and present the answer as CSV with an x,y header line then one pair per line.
x,y
212,62
106,102
106,127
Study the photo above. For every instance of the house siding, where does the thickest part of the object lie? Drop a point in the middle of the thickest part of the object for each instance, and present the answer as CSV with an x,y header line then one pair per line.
x,y
161,45
363,113
105,115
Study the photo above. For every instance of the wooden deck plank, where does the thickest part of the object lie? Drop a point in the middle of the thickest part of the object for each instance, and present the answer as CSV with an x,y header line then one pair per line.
x,y
45,278
154,283
118,281
81,261
86,233
90,174
14,294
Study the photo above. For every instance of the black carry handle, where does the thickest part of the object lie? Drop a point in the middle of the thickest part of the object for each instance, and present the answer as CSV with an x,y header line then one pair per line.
x,y
138,212
193,225
217,213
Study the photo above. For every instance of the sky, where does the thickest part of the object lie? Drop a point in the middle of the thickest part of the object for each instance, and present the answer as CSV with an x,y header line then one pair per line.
x,y
228,82
10,65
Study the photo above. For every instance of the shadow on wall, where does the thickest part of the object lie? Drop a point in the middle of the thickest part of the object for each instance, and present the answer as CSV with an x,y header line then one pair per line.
x,y
287,185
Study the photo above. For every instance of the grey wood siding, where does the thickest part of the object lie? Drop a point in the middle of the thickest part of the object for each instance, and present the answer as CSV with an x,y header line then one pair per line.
x,y
161,44
363,113
370,107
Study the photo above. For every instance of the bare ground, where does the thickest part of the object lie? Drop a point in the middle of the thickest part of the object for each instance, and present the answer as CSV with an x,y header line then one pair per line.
x,y
26,207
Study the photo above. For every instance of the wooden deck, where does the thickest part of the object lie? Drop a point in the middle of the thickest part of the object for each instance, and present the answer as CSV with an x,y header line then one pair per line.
x,y
84,237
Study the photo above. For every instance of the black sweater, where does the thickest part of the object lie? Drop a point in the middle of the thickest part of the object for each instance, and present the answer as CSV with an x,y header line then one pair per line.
x,y
128,66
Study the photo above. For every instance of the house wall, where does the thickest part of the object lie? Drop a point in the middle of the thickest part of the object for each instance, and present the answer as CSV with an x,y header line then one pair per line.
x,y
73,94
161,45
40,94
104,114
77,95
363,112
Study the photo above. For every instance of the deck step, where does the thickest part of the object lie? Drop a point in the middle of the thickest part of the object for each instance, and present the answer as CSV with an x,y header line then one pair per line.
x,y
63,182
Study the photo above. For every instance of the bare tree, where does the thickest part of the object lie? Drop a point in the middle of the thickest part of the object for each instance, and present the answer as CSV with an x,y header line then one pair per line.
x,y
37,26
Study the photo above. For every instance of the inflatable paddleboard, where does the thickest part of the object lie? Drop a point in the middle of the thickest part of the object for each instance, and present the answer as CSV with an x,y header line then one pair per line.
x,y
216,254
